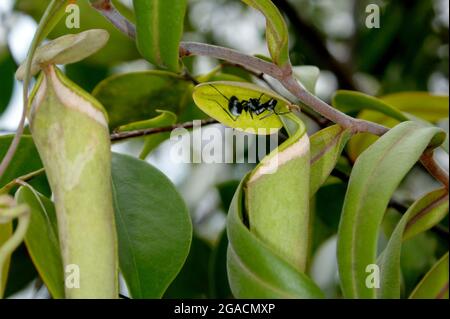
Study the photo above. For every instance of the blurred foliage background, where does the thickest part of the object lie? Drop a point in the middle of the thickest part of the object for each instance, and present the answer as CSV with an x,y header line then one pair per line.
x,y
410,52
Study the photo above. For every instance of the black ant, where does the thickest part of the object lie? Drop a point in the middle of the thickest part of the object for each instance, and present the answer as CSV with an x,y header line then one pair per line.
x,y
251,106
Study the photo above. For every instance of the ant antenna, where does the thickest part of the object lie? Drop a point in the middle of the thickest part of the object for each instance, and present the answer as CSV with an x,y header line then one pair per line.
x,y
260,97
219,92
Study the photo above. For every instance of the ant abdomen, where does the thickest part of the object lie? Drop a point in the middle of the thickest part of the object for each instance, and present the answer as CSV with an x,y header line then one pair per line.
x,y
234,106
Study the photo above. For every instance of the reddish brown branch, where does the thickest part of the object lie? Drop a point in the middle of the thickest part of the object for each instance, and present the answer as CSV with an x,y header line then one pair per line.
x,y
144,132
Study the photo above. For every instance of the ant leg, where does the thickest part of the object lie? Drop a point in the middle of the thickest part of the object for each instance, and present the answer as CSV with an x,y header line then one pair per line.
x,y
260,97
267,115
281,112
245,107
219,92
272,113
225,110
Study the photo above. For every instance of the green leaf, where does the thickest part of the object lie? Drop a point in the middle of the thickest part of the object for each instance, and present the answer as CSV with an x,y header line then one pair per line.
x,y
254,269
165,118
213,98
7,69
424,105
89,19
42,240
435,210
159,27
422,215
86,75
326,148
21,271
153,225
389,110
375,176
307,75
5,234
137,96
435,283
25,160
277,35
192,281
351,101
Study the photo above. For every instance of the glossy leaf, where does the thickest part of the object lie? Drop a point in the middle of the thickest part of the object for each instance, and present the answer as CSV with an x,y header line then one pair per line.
x,y
435,283
192,281
159,27
165,118
277,35
137,96
352,101
21,271
375,176
424,105
389,110
213,98
326,148
26,160
254,269
86,75
430,215
153,224
422,215
118,49
42,240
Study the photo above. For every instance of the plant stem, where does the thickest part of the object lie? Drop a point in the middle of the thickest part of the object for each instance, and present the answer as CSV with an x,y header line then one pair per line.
x,y
434,169
283,75
138,133
7,188
114,16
